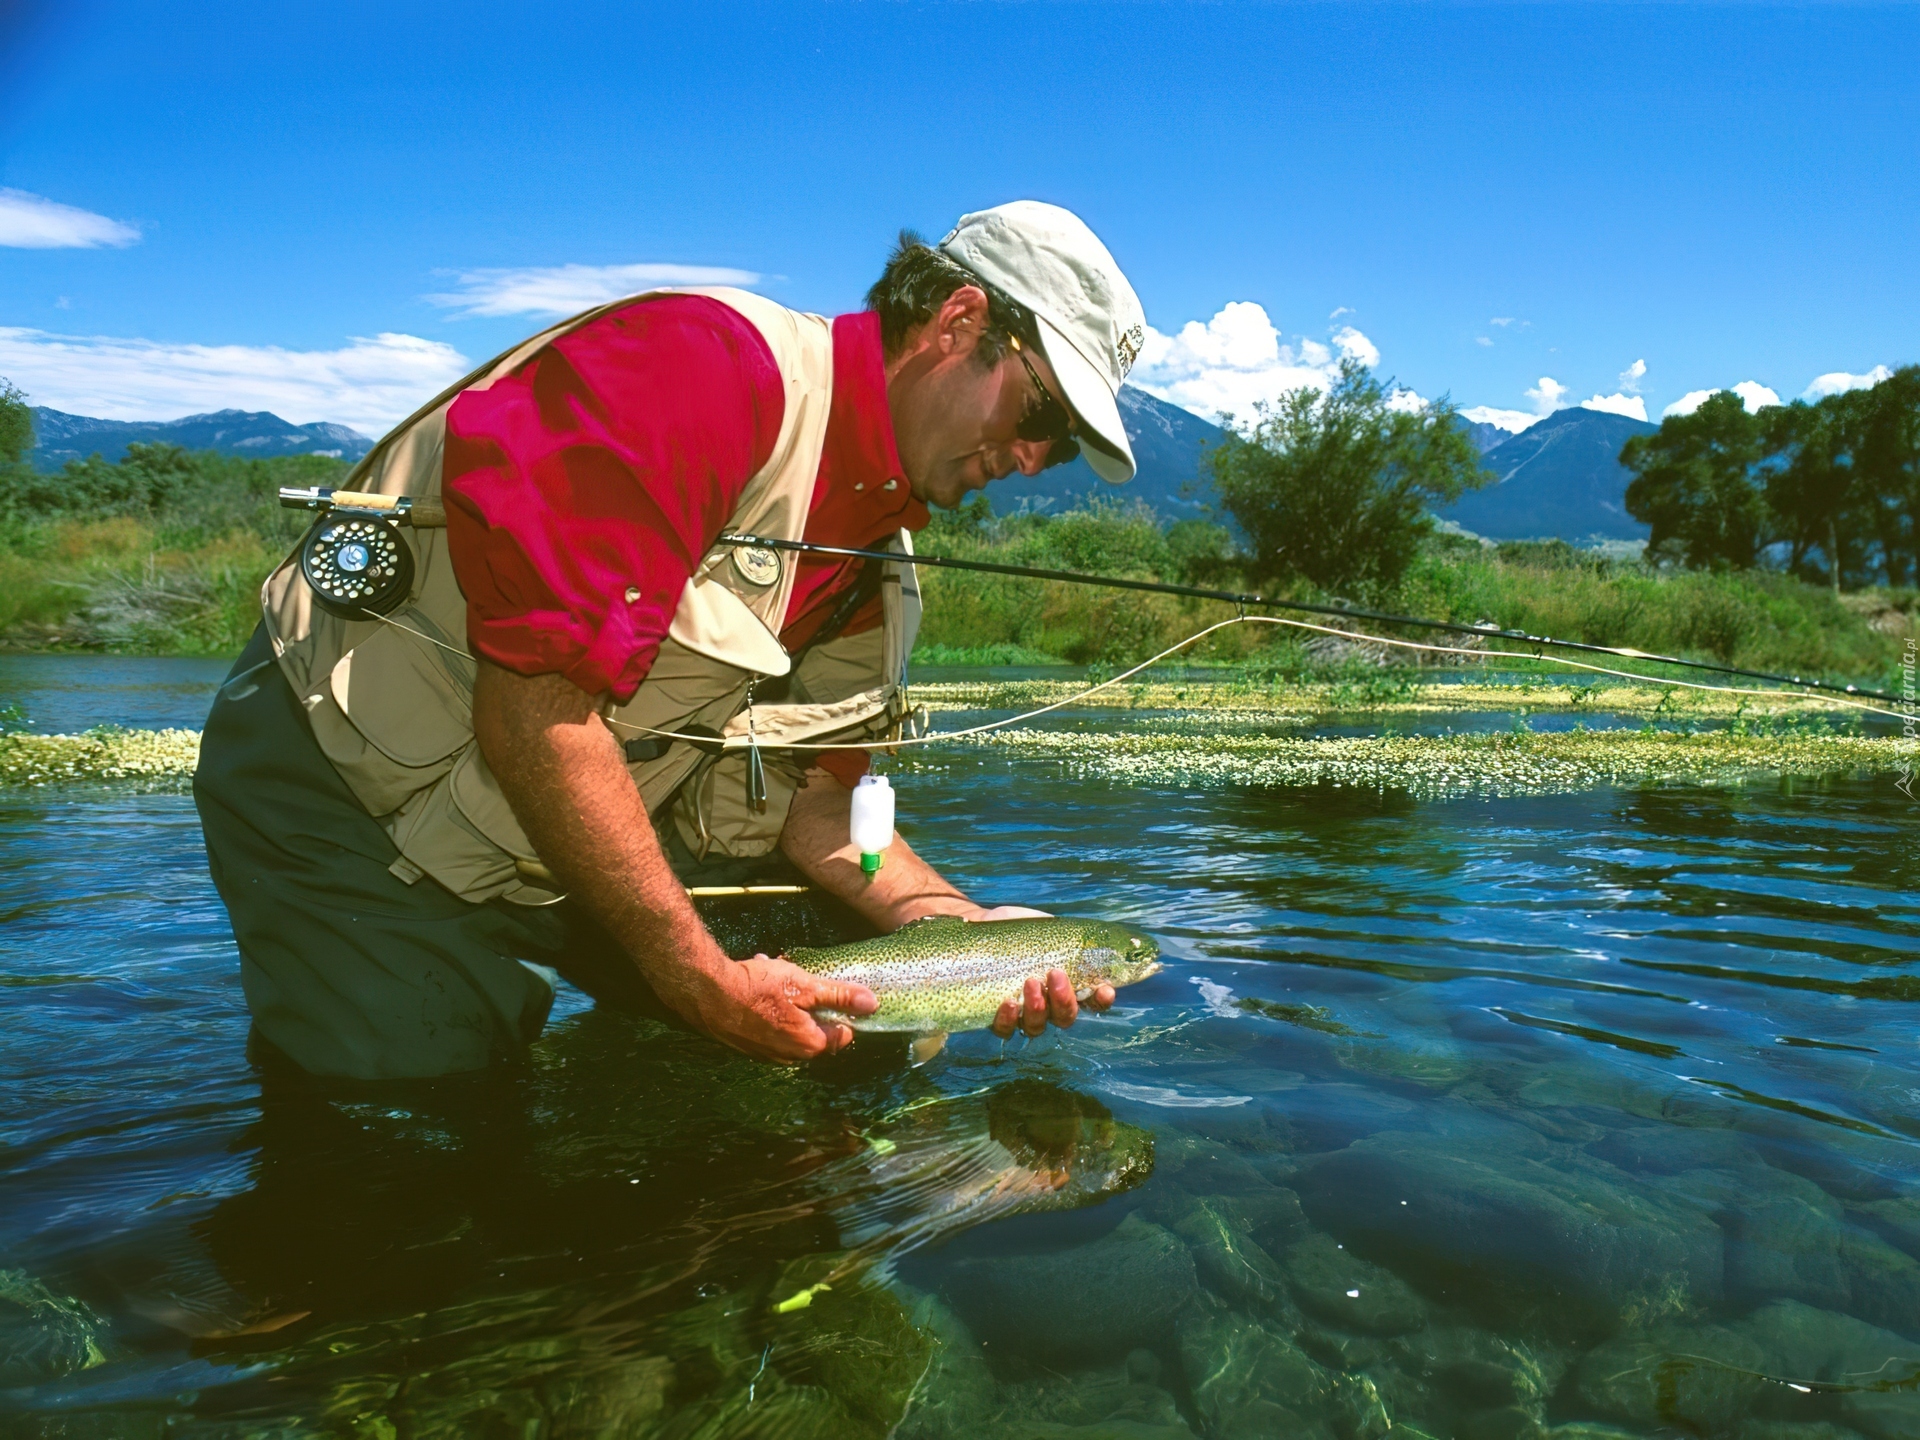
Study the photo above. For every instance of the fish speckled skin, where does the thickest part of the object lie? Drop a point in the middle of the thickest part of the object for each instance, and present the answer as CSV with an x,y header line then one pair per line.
x,y
943,973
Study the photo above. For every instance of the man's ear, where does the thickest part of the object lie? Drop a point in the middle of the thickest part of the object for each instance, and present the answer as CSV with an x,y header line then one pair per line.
x,y
961,321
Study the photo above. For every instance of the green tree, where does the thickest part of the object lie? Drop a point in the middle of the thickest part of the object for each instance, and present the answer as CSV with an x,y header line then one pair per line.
x,y
1888,459
1810,488
16,426
1336,488
1694,485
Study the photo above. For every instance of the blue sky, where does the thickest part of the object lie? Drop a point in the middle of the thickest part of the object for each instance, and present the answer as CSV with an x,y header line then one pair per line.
x,y
256,195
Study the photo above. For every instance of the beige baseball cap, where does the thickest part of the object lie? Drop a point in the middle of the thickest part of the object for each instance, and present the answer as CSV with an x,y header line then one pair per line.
x,y
1091,325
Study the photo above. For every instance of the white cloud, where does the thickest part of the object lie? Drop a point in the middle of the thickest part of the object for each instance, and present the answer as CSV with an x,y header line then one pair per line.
x,y
1512,421
1839,381
1632,406
1630,379
367,384
558,290
1352,345
1236,360
1501,320
1548,395
1755,396
1339,311
32,222
1482,340
1408,402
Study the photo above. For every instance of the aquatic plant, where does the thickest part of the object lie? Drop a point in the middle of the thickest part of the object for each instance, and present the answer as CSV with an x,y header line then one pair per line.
x,y
107,753
1507,763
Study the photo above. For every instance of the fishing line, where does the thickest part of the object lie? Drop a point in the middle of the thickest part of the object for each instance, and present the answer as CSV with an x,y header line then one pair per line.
x,y
1255,620
1234,597
1473,653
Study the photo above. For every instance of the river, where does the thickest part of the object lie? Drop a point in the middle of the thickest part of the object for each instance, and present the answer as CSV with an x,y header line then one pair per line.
x,y
1586,1114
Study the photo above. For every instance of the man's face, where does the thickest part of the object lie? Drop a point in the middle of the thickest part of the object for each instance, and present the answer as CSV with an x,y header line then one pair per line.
x,y
955,421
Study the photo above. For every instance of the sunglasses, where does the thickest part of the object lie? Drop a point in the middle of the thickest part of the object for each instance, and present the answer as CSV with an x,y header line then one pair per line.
x,y
1048,420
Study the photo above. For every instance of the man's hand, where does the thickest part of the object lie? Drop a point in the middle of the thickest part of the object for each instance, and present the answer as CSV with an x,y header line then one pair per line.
x,y
763,1008
1043,1001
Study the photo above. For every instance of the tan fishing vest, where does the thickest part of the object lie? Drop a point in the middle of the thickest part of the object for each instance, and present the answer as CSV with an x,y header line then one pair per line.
x,y
390,699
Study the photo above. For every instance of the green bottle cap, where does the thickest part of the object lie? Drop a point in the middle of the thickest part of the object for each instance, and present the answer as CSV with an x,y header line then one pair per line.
x,y
869,861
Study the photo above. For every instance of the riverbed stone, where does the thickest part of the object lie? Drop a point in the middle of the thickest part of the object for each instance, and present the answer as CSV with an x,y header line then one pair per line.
x,y
1695,1377
1338,1286
1249,1382
1509,1422
1895,1221
1476,1368
1230,1261
1511,1232
1096,1301
1798,1245
1799,1342
1662,1149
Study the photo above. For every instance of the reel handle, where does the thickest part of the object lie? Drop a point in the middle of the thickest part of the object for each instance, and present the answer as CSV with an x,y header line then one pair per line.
x,y
422,512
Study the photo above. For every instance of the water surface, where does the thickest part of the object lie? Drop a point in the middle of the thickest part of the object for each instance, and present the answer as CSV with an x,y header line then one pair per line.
x,y
1476,1117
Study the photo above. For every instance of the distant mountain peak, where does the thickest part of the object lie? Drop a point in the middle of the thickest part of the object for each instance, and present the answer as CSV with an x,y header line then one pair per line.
x,y
1561,476
60,437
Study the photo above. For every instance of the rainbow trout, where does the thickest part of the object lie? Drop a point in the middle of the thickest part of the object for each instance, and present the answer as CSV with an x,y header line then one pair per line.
x,y
941,974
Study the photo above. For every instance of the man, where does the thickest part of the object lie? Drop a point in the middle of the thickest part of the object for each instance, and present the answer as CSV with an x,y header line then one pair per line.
x,y
583,696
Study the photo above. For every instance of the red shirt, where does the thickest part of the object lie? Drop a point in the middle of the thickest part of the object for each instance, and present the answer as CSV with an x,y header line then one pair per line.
x,y
584,488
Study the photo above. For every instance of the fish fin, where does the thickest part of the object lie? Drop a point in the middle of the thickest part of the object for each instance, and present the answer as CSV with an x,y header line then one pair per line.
x,y
925,1047
931,920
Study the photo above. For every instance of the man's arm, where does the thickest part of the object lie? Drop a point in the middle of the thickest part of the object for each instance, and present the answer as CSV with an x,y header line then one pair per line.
x,y
906,888
562,772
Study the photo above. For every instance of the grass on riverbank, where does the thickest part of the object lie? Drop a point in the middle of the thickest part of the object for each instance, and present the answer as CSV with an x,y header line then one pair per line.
x,y
181,577
1757,620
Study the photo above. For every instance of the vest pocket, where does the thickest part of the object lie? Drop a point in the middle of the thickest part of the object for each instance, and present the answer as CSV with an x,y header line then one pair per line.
x,y
412,700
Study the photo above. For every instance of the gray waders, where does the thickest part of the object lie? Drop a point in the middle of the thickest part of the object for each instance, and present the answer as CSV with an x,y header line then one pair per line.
x,y
347,970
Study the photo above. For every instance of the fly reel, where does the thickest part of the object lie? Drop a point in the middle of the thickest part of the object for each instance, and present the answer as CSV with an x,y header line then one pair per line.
x,y
356,564
354,558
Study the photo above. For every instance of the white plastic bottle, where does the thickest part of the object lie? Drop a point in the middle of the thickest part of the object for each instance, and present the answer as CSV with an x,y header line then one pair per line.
x,y
872,820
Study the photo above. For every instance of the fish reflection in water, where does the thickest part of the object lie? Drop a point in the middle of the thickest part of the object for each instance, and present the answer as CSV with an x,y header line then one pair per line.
x,y
935,1168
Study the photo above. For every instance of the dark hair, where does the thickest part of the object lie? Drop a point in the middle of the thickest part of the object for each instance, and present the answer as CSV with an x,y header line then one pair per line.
x,y
916,283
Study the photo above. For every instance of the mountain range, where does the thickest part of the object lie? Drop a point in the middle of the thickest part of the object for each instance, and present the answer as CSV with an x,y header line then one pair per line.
x,y
1559,477
59,437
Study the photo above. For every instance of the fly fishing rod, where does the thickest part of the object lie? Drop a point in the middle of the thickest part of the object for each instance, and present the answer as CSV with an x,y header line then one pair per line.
x,y
1244,599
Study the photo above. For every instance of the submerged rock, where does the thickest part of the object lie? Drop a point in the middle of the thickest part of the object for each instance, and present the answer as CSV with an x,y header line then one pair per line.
x,y
1347,1291
1095,1301
43,1335
1249,1382
1516,1233
1797,1245
1880,1369
1896,1221
1230,1261
1663,1149
1696,1377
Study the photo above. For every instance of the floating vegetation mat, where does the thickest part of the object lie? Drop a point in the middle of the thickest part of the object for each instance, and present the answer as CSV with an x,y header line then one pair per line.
x,y
1378,695
161,757
1511,763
